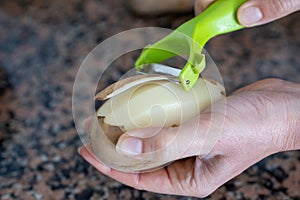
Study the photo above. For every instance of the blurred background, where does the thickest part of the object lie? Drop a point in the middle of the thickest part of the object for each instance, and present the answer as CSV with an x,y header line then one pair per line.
x,y
42,44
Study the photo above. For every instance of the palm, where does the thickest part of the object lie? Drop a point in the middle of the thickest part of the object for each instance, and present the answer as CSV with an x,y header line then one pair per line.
x,y
255,121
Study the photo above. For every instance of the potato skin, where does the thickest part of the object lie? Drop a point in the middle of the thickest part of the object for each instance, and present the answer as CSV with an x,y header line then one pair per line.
x,y
136,108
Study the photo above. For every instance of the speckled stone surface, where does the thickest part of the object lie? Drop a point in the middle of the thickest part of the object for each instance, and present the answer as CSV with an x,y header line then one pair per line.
x,y
42,44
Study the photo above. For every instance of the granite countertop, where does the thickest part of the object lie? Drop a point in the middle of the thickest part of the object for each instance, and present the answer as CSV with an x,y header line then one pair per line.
x,y
42,44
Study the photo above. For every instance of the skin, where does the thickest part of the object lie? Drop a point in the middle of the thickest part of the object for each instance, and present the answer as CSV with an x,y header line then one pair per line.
x,y
270,9
261,119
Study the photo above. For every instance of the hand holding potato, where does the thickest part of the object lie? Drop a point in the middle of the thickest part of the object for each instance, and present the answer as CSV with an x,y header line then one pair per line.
x,y
261,119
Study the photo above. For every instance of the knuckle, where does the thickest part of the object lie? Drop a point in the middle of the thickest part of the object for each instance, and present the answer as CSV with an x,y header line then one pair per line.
x,y
283,6
291,139
203,193
288,143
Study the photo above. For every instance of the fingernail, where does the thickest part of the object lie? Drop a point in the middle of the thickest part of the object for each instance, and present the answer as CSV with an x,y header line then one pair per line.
x,y
131,146
79,150
250,15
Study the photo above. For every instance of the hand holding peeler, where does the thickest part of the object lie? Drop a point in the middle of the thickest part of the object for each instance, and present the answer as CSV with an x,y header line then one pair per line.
x,y
189,40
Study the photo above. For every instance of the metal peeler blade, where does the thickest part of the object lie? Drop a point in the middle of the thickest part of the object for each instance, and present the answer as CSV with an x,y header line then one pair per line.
x,y
171,73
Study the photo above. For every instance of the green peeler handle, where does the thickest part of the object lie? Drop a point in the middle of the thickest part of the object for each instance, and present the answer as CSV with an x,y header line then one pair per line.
x,y
218,18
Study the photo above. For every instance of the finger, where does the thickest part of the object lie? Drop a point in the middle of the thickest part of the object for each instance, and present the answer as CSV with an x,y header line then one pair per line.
x,y
87,154
270,84
87,123
130,179
196,137
146,181
196,176
201,5
258,12
174,179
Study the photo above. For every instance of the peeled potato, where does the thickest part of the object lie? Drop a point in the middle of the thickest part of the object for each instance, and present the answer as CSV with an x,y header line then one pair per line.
x,y
145,101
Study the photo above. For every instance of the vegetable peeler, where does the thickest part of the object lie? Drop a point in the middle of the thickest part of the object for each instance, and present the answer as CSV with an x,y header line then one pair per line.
x,y
189,40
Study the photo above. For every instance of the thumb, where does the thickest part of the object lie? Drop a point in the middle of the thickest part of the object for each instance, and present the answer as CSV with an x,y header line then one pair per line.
x,y
258,12
196,137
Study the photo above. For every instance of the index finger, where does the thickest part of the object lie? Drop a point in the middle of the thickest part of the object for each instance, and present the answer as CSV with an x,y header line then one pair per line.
x,y
201,5
159,181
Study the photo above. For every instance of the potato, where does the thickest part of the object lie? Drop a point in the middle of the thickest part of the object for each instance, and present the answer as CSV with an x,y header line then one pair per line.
x,y
141,102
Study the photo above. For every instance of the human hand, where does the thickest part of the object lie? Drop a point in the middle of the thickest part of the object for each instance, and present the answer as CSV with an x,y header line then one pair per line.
x,y
260,119
257,12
